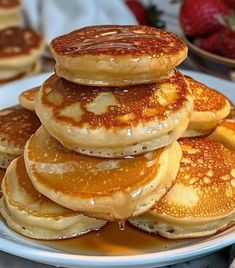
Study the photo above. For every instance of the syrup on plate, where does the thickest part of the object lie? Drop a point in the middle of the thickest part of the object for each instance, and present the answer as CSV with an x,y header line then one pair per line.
x,y
111,240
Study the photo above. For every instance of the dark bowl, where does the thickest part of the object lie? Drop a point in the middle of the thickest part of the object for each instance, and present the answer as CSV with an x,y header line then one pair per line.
x,y
211,63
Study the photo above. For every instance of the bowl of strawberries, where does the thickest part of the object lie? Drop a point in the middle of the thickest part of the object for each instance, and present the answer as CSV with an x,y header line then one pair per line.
x,y
209,29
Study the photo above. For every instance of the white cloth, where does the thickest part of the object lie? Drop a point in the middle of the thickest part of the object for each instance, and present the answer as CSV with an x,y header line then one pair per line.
x,y
56,17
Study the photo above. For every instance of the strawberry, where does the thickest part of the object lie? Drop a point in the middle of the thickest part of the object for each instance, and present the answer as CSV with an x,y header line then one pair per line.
x,y
210,43
223,41
227,43
138,10
199,17
230,3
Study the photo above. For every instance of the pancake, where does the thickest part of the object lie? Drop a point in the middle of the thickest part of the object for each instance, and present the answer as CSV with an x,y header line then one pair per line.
x,y
26,98
16,126
2,173
113,121
110,189
117,55
202,200
10,75
19,48
209,108
34,215
225,134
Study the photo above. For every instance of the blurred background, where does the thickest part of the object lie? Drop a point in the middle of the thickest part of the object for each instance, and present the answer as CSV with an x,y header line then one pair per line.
x,y
208,26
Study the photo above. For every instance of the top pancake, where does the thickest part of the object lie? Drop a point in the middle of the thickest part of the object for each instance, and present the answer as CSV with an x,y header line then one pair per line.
x,y
16,126
19,47
210,107
102,118
118,53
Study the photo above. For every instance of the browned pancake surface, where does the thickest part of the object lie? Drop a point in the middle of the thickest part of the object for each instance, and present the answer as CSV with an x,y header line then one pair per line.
x,y
87,176
16,126
205,98
30,93
24,182
16,41
207,177
118,40
132,104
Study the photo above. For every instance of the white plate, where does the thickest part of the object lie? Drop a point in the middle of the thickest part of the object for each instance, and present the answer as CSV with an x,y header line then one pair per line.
x,y
17,245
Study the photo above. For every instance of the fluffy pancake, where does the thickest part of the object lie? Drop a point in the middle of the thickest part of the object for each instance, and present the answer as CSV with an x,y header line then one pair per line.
x,y
209,108
19,48
202,200
26,98
117,55
225,134
16,126
114,121
111,189
34,215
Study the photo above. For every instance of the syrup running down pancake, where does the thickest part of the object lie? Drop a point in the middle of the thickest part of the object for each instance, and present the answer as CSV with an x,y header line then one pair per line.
x,y
117,55
210,107
16,126
114,121
110,189
202,200
34,215
26,98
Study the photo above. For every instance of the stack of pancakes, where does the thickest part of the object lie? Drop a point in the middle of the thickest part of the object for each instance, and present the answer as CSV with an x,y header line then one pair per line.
x,y
20,48
107,149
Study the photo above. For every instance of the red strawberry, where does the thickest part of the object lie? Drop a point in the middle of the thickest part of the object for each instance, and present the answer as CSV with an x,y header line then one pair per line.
x,y
227,43
138,10
199,17
210,43
223,41
230,3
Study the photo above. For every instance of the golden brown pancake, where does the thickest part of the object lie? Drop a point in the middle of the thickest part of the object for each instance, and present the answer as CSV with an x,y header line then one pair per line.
x,y
26,98
114,121
34,215
110,189
225,134
117,55
210,107
16,126
202,200
20,49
